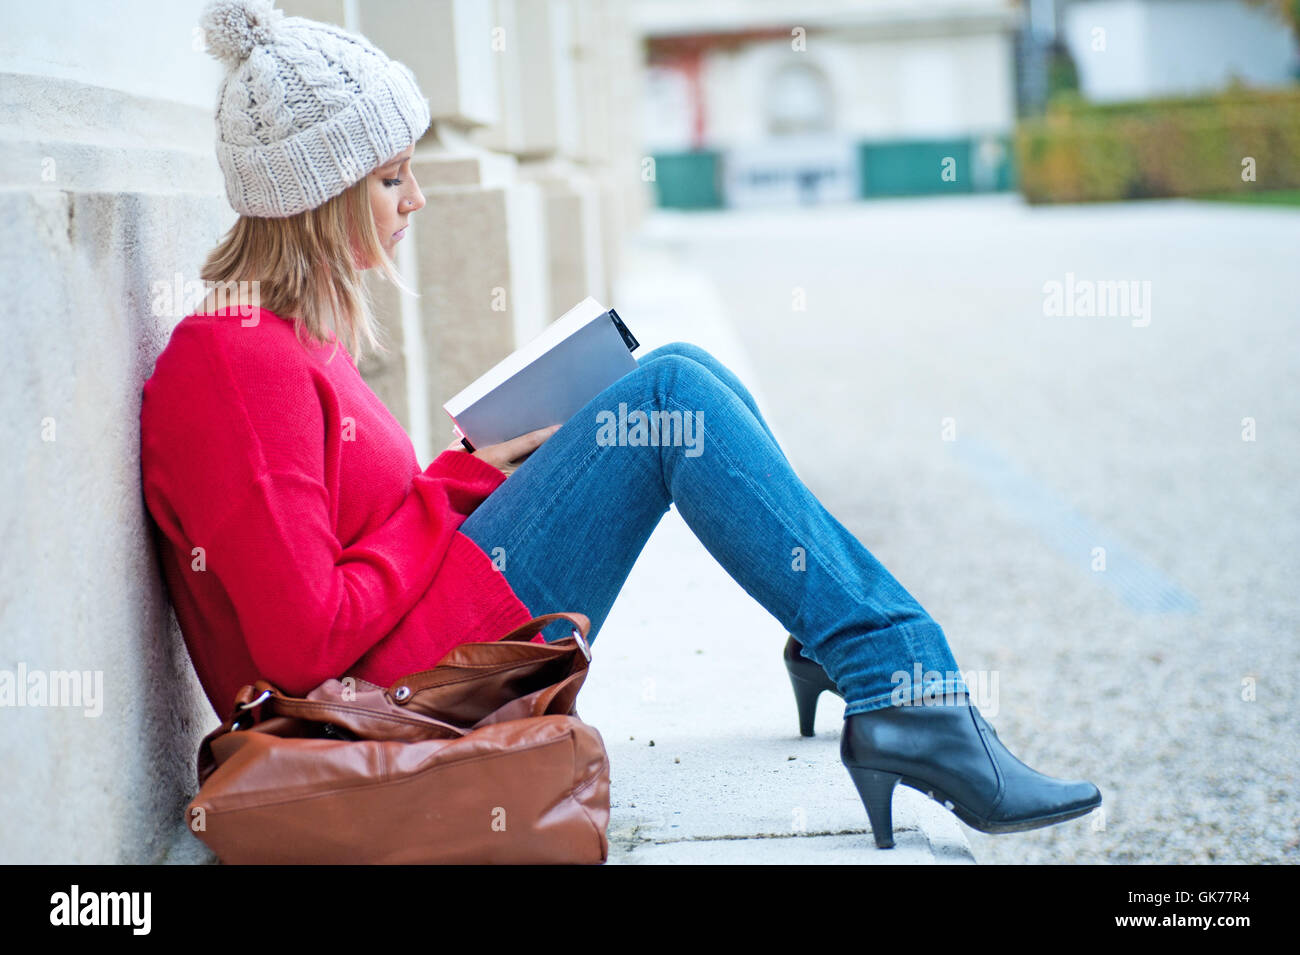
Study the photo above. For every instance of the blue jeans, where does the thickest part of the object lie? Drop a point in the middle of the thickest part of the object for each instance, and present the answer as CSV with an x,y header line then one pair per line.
x,y
572,519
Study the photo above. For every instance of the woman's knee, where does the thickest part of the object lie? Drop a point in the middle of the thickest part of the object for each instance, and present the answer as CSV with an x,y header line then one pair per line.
x,y
690,352
675,381
681,349
667,368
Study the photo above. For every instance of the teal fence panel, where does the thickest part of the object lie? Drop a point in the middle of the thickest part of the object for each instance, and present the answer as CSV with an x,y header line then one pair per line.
x,y
915,167
688,180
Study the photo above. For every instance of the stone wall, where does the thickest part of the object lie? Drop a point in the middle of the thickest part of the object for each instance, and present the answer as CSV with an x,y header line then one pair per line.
x,y
111,197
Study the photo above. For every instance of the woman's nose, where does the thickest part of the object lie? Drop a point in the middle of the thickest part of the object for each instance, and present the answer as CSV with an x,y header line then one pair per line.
x,y
415,201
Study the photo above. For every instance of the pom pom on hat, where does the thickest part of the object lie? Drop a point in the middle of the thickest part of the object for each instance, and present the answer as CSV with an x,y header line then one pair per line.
x,y
232,28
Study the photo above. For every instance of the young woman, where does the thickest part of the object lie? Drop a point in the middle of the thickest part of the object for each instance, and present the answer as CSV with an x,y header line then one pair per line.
x,y
301,539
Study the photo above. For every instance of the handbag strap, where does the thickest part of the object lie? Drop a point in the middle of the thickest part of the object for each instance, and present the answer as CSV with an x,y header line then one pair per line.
x,y
252,696
526,631
447,671
322,711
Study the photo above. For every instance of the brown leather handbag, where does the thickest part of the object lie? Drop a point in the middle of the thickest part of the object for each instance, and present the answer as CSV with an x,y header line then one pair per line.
x,y
482,759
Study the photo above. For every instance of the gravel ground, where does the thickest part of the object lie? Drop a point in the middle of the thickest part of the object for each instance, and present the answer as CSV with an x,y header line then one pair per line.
x,y
1168,677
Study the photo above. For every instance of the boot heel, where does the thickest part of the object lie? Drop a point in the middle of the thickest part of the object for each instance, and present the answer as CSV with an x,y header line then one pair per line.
x,y
805,700
877,792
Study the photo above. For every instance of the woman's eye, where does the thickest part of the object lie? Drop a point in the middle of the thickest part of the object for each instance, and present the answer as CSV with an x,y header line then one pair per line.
x,y
392,182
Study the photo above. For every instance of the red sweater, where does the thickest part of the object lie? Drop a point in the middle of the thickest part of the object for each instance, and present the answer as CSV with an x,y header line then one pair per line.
x,y
298,536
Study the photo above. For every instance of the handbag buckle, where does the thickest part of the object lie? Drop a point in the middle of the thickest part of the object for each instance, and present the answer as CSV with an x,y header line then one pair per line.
x,y
582,642
266,694
245,707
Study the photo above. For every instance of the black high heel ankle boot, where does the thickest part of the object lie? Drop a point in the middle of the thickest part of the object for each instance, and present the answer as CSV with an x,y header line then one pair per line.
x,y
951,753
809,679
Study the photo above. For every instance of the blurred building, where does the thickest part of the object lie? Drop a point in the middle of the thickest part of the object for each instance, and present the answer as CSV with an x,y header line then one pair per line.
x,y
779,102
1124,50
1135,49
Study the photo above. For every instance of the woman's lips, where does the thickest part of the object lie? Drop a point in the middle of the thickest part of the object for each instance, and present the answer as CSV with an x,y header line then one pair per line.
x,y
399,234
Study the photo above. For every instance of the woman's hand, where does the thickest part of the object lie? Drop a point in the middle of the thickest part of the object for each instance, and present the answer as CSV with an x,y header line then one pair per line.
x,y
508,455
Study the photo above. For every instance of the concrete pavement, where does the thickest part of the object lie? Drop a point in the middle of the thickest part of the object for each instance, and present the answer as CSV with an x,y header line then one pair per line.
x,y
687,685
990,451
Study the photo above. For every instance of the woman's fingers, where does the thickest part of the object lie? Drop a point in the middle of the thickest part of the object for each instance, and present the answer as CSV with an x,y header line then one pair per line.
x,y
526,444
504,456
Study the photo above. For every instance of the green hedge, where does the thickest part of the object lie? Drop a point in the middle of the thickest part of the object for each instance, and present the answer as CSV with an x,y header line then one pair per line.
x,y
1082,152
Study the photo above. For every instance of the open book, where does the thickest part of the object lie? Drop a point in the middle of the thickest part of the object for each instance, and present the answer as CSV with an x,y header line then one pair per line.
x,y
546,381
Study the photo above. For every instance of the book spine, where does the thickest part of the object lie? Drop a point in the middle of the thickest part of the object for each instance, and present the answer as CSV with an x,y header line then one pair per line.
x,y
628,339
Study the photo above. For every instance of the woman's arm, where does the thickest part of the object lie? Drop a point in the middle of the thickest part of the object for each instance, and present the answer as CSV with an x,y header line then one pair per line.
x,y
309,607
241,444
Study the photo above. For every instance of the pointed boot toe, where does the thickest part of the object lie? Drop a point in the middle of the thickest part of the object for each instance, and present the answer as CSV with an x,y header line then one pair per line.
x,y
1030,799
952,754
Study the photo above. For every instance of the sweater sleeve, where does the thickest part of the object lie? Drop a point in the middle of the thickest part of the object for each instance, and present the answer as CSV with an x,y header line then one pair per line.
x,y
485,477
308,606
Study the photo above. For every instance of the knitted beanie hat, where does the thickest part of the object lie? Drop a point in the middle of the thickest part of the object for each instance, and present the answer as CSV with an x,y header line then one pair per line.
x,y
306,109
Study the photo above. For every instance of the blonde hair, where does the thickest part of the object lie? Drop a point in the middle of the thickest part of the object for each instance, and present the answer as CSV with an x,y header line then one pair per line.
x,y
306,268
